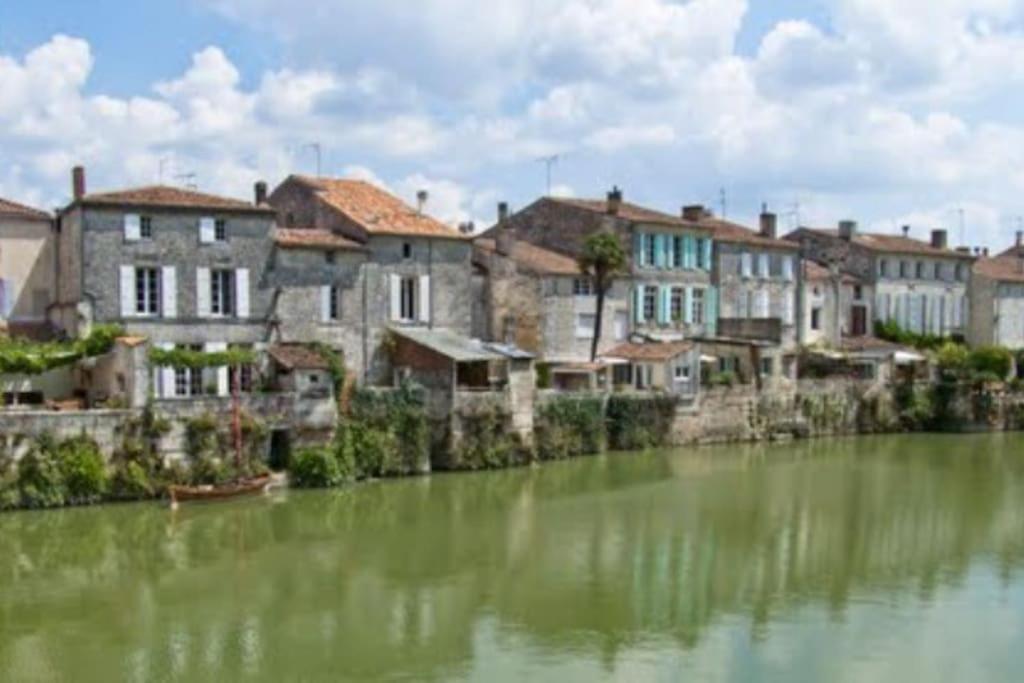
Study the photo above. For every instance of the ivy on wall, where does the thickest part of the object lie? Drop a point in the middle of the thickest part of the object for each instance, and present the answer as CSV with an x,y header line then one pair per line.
x,y
21,357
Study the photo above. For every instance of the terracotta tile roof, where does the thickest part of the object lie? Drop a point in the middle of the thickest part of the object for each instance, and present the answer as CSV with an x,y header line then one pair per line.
x,y
1007,267
892,244
169,197
376,211
536,259
16,210
629,212
734,233
649,352
815,272
312,238
298,356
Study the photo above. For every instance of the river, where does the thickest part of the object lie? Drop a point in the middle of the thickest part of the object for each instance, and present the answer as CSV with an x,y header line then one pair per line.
x,y
870,559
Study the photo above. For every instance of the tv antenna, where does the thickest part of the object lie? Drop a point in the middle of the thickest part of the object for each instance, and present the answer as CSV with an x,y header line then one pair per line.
x,y
318,150
187,180
723,202
160,168
549,163
963,225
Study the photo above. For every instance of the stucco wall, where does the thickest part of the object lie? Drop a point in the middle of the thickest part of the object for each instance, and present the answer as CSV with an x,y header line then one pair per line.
x,y
27,268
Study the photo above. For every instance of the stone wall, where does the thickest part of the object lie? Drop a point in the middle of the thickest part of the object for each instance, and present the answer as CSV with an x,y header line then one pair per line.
x,y
19,428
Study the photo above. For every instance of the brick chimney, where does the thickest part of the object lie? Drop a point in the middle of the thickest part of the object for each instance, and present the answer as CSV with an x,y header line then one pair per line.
x,y
906,231
614,201
847,230
260,193
940,239
1020,239
505,239
78,182
502,212
769,223
693,212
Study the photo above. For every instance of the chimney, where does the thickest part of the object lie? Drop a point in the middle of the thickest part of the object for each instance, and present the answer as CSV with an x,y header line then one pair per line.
x,y
906,231
1020,239
421,201
984,252
502,212
467,228
769,223
78,182
260,193
693,212
940,239
614,201
847,230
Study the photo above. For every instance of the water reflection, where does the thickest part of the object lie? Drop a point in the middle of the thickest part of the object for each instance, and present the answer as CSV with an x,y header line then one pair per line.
x,y
589,559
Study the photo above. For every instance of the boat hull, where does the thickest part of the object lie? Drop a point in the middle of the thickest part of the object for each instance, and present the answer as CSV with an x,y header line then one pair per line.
x,y
182,494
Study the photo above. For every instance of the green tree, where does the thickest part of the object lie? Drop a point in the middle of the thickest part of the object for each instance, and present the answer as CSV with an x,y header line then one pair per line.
x,y
603,259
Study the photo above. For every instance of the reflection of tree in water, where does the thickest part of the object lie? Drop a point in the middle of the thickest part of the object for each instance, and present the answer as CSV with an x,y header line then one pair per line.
x,y
595,556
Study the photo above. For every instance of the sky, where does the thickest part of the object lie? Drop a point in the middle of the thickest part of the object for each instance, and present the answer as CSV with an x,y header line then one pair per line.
x,y
888,113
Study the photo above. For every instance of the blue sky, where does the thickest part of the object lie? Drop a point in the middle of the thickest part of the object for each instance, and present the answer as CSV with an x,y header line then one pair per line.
x,y
889,113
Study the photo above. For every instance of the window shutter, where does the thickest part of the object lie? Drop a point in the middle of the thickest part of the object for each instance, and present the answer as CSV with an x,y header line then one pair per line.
x,y
787,268
132,227
707,254
638,247
638,304
659,251
207,230
763,266
688,306
168,292
396,296
711,314
242,293
203,292
670,252
325,304
165,376
746,263
788,309
221,372
127,291
424,302
665,305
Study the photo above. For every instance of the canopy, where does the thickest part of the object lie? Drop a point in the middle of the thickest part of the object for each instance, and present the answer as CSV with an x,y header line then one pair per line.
x,y
907,358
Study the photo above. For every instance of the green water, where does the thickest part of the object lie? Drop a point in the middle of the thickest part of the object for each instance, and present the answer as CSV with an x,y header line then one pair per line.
x,y
876,559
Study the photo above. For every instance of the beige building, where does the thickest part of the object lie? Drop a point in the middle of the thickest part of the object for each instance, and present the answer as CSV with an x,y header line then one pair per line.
x,y
27,266
836,306
997,299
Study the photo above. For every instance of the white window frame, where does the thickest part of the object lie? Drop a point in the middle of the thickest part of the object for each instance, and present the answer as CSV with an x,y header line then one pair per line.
x,y
583,287
408,298
223,294
585,325
148,294
697,306
650,303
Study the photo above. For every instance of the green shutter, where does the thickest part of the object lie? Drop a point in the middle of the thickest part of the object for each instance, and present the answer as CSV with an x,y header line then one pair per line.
x,y
665,309
711,311
688,306
707,254
638,249
638,304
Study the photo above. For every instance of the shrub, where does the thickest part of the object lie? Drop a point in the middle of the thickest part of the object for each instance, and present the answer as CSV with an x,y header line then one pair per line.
x,y
83,469
640,422
568,427
952,358
40,478
315,468
991,361
486,443
131,481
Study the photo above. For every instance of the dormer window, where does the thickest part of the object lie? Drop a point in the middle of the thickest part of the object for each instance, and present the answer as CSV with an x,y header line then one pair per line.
x,y
406,250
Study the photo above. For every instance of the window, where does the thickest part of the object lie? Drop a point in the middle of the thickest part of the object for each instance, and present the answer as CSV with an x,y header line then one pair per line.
x,y
585,325
702,255
643,375
682,373
408,299
406,250
245,379
883,268
920,270
858,292
767,367
583,286
330,257
220,230
677,303
188,381
651,247
650,302
678,251
147,291
816,319
960,272
222,292
904,269
698,307
146,227
334,303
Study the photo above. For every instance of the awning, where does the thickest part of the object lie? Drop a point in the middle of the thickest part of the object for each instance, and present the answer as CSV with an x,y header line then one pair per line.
x,y
907,358
705,358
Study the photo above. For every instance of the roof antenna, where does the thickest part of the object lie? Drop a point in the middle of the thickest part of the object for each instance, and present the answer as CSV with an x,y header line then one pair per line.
x,y
160,170
549,162
187,180
318,150
723,199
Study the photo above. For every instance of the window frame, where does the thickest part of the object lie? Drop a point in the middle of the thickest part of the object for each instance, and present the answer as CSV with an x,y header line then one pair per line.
x,y
223,297
650,303
583,287
220,230
409,286
698,307
148,291
145,227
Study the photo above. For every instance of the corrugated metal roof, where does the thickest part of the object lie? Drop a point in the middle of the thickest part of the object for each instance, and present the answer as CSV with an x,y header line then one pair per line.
x,y
460,348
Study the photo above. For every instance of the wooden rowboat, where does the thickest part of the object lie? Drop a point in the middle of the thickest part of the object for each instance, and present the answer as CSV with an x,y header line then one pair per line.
x,y
247,487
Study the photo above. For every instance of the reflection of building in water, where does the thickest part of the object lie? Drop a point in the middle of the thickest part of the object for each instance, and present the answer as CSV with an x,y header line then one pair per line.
x,y
597,557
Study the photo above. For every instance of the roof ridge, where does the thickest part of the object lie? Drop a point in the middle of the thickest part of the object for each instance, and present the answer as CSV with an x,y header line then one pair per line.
x,y
12,207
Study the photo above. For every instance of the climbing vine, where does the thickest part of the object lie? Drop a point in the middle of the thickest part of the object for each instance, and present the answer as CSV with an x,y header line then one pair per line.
x,y
21,357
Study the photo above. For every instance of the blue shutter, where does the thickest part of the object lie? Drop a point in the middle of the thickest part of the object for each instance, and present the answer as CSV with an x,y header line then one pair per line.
x,y
707,254
688,306
665,304
670,249
638,248
638,304
711,311
660,250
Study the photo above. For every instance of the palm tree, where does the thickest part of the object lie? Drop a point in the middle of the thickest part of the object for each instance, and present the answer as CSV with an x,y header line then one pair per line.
x,y
603,259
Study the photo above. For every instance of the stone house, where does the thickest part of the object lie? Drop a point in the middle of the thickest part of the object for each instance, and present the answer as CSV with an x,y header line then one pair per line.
x,y
182,268
755,273
920,285
536,297
27,267
351,261
997,299
829,305
669,367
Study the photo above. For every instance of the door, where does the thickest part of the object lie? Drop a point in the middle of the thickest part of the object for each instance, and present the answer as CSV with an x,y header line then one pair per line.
x,y
858,321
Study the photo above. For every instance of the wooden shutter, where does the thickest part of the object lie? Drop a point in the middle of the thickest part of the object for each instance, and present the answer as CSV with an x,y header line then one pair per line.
x,y
688,306
165,376
708,254
665,305
638,304
132,227
638,248
396,296
168,292
746,264
325,304
423,309
203,292
207,230
711,312
242,293
787,268
127,291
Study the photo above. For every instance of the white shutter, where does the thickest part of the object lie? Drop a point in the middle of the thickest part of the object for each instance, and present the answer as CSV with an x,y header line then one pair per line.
x,y
222,371
203,292
325,304
763,265
8,302
396,296
169,292
787,268
746,264
242,293
165,388
424,302
132,227
762,304
207,232
127,291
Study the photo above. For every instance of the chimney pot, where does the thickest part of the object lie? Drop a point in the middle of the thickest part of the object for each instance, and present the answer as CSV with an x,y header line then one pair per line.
x,y
906,231
1020,238
769,223
502,212
847,230
940,239
694,212
78,182
614,201
421,200
260,193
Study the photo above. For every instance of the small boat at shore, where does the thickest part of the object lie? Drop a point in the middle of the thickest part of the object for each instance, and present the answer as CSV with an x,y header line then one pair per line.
x,y
210,494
